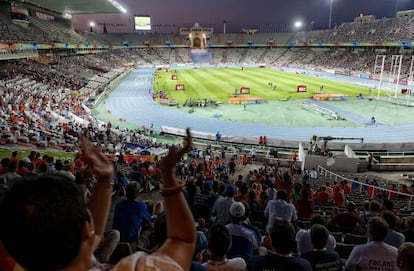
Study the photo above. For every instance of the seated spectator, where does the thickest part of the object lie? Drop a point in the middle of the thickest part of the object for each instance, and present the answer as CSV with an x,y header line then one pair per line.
x,y
219,243
393,238
31,216
405,258
282,234
346,221
244,241
303,237
320,258
375,253
130,216
322,197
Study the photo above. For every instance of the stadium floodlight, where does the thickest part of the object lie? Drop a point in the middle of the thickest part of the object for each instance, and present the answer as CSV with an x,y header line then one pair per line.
x,y
298,24
118,6
91,25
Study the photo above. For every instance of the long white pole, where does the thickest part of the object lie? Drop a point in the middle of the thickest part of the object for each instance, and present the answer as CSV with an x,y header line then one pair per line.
x,y
330,14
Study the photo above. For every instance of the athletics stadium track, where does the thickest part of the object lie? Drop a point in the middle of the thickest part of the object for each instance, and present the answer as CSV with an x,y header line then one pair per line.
x,y
132,101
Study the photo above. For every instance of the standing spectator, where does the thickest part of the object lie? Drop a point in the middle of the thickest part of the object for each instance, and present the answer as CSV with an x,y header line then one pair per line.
x,y
280,209
282,236
219,243
320,258
222,206
204,201
375,253
304,205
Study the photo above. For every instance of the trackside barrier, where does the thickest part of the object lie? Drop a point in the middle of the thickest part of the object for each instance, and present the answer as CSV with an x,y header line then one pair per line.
x,y
326,173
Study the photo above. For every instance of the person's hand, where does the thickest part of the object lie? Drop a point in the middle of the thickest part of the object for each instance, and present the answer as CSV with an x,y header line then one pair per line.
x,y
168,163
99,163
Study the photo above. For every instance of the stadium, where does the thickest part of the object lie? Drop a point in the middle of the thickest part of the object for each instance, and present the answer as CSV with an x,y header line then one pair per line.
x,y
332,107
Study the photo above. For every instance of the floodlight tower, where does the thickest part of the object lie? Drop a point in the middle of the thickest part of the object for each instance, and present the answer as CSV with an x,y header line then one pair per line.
x,y
379,67
330,13
91,25
396,71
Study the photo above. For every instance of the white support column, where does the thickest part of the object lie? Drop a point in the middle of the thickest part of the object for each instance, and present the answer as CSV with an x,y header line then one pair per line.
x,y
379,67
396,71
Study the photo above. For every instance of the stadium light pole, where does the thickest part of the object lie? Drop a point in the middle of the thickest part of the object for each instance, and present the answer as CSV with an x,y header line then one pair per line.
x,y
91,25
330,13
396,7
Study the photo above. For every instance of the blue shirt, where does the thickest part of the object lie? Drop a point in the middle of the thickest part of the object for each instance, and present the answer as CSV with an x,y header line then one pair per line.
x,y
128,218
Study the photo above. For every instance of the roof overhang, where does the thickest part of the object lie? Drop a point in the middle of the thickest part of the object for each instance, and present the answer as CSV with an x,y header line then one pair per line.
x,y
74,7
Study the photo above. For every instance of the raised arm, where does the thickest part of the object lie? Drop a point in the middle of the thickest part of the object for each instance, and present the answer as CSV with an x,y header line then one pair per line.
x,y
100,200
180,241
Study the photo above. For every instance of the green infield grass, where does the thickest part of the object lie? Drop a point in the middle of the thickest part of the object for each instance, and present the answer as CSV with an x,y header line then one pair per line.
x,y
5,152
221,83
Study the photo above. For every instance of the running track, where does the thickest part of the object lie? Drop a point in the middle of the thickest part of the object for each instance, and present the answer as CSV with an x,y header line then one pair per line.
x,y
131,100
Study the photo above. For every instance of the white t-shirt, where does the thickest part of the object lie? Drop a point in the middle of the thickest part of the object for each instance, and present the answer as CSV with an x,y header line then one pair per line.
x,y
374,256
140,261
304,242
235,264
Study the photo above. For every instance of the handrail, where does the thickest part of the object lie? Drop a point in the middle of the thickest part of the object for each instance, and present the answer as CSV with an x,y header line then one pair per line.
x,y
331,174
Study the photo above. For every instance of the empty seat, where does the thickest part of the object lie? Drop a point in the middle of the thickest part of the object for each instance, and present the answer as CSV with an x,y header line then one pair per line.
x,y
344,250
355,239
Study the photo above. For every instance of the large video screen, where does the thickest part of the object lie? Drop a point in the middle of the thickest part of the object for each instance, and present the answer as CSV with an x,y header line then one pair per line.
x,y
142,22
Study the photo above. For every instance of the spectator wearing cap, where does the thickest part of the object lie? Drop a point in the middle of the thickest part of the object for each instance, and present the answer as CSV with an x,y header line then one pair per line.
x,y
243,239
222,206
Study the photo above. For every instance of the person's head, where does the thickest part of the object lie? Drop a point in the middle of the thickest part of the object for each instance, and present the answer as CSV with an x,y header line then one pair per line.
x,y
282,234
390,218
387,204
405,258
350,207
374,206
46,223
12,166
377,229
305,194
281,194
219,241
229,190
317,219
132,190
237,212
319,236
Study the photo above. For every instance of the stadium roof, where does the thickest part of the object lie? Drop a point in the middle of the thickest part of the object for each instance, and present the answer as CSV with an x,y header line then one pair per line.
x,y
73,7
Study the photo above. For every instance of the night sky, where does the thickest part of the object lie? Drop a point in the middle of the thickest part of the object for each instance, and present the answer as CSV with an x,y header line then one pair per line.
x,y
251,14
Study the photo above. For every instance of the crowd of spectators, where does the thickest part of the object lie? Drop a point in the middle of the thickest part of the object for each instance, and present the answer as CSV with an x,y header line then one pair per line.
x,y
268,217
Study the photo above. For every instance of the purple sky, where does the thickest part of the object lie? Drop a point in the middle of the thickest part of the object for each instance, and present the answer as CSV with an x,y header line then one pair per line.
x,y
239,14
